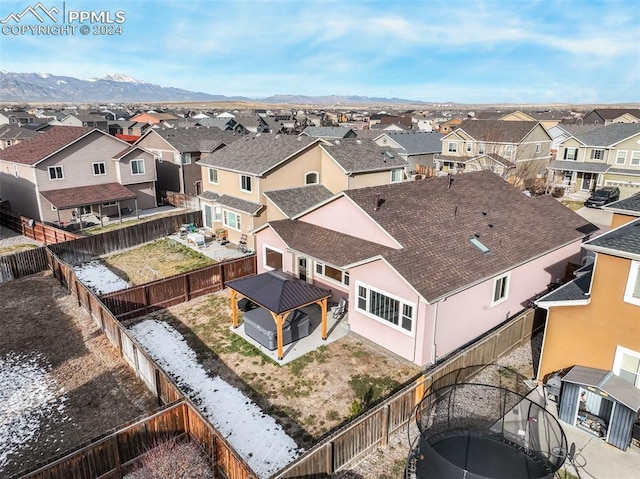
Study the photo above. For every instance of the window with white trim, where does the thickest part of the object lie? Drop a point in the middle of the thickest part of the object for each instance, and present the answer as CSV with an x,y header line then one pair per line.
x,y
570,154
110,203
482,148
332,273
452,147
382,306
626,364
632,290
621,157
177,158
231,220
245,183
185,158
500,289
469,147
56,173
597,154
99,168
508,151
272,258
311,178
213,176
635,158
137,167
217,213
397,175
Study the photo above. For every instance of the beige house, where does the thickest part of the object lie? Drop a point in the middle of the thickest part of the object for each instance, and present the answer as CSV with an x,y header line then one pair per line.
x,y
239,181
68,172
511,149
604,156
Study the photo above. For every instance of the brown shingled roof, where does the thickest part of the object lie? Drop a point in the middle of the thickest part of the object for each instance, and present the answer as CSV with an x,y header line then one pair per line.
x,y
87,195
497,131
34,150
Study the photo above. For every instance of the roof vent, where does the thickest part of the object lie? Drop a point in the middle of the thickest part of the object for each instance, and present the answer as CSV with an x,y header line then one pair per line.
x,y
359,142
388,153
376,202
478,244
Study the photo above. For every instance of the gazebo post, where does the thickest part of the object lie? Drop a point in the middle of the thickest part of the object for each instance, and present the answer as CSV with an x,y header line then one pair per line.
x,y
234,308
323,307
280,319
100,213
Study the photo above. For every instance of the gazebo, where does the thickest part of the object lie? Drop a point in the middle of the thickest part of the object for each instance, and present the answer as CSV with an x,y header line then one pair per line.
x,y
281,294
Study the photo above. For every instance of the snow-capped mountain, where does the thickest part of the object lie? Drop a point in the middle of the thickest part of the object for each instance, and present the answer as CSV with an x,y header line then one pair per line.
x,y
117,87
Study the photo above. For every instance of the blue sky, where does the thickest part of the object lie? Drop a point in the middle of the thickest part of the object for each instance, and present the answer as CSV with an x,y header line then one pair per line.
x,y
492,51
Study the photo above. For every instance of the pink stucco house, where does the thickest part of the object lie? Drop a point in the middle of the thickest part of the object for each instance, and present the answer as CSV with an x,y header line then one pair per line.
x,y
427,266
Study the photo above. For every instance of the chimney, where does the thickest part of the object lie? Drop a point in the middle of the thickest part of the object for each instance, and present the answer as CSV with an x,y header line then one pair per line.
x,y
376,204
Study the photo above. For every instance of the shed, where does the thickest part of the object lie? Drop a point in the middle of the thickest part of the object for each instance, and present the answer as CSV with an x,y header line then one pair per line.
x,y
600,402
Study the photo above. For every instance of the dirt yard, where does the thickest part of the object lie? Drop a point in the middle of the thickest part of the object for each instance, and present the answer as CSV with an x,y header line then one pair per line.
x,y
62,382
155,260
309,396
12,242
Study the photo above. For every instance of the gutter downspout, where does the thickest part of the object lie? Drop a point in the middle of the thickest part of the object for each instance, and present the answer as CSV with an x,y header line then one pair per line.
x,y
435,329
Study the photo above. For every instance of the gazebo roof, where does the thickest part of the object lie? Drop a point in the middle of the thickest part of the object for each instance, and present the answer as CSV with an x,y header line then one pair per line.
x,y
277,291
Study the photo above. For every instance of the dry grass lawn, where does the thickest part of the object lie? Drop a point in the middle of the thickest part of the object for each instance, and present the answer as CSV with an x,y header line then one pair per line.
x,y
309,396
6,250
155,260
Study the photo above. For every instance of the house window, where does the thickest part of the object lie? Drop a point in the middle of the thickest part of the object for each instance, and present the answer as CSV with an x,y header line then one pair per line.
x,y
568,175
632,291
186,158
311,178
396,176
453,147
621,157
245,183
500,289
9,143
626,364
137,167
482,148
213,176
99,168
272,258
55,173
597,154
110,203
232,220
508,151
177,158
538,148
469,147
635,158
217,213
383,306
570,153
332,273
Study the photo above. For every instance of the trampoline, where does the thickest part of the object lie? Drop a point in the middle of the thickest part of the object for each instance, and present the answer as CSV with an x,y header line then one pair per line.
x,y
483,431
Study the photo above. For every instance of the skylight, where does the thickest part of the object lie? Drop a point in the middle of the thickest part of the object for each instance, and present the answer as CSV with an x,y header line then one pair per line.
x,y
478,244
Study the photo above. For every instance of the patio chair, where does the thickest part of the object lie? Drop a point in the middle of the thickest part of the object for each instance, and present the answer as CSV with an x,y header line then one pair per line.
x,y
340,310
242,244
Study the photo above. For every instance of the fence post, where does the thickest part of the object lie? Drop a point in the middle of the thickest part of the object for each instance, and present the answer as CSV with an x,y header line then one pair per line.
x,y
329,457
116,454
158,387
385,425
187,294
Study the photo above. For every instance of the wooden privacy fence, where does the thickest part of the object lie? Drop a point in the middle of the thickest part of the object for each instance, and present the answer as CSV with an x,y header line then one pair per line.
x,y
34,229
180,200
89,247
160,294
350,444
112,456
23,263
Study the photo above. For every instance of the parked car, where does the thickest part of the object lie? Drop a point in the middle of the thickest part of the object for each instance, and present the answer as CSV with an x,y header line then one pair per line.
x,y
603,196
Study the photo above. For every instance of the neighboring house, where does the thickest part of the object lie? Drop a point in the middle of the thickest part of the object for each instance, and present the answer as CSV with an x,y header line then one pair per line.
x,y
128,128
560,133
178,149
427,266
608,116
153,118
417,148
91,120
512,149
11,135
593,321
604,156
516,116
448,126
16,118
329,132
223,123
75,169
236,178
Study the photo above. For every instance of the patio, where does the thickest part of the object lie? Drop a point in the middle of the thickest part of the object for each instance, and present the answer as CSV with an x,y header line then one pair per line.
x,y
211,247
337,329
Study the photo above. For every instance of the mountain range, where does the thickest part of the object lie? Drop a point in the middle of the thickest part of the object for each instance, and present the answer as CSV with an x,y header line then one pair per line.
x,y
122,88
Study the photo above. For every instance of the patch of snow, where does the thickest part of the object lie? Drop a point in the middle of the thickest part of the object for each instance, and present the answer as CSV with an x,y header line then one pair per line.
x,y
43,75
121,78
257,437
61,82
100,279
28,395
